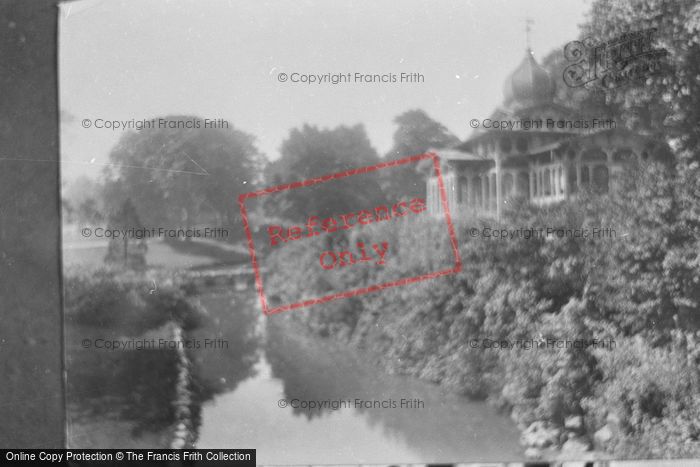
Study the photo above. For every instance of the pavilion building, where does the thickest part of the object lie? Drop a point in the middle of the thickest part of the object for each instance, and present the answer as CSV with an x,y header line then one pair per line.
x,y
536,149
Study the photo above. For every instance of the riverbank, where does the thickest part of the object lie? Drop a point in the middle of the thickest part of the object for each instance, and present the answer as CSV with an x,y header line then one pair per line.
x,y
118,398
537,442
348,425
586,371
137,386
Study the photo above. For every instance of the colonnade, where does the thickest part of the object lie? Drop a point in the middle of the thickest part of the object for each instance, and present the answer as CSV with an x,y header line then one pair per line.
x,y
541,183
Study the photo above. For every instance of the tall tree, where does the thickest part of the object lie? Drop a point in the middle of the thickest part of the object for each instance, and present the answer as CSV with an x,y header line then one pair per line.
x,y
311,152
174,175
124,249
416,134
665,103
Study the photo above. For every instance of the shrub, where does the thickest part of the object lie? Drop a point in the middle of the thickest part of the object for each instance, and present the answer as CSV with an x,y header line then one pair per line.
x,y
655,395
128,301
642,282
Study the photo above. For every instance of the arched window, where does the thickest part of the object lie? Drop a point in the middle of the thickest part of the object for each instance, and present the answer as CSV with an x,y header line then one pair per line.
x,y
623,155
601,178
595,154
585,178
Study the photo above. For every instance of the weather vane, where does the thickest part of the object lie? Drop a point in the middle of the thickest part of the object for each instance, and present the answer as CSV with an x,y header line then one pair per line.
x,y
528,22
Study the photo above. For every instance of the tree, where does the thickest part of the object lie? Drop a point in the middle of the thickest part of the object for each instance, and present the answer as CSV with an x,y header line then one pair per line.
x,y
311,152
658,267
176,176
118,250
587,101
81,199
666,104
416,134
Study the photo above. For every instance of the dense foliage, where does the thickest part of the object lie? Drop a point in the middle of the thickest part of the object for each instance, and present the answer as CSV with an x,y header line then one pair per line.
x,y
180,177
638,288
415,133
312,152
130,302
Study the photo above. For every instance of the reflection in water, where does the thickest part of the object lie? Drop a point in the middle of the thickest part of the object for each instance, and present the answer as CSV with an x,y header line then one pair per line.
x,y
137,386
294,366
220,370
128,398
237,393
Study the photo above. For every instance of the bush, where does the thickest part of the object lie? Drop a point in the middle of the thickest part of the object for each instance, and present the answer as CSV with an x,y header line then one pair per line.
x,y
127,301
654,394
641,283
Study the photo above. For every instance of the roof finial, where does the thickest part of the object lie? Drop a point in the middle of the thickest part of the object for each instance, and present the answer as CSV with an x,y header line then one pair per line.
x,y
528,23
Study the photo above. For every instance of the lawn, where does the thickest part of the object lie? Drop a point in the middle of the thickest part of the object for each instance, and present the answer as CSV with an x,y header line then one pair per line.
x,y
184,255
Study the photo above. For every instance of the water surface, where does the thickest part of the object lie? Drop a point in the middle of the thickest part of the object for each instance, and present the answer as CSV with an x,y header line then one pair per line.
x,y
295,367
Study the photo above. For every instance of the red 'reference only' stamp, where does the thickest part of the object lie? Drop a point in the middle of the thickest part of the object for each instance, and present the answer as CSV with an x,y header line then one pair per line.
x,y
334,260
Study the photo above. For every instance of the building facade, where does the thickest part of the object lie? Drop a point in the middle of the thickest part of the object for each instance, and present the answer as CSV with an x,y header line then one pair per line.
x,y
535,149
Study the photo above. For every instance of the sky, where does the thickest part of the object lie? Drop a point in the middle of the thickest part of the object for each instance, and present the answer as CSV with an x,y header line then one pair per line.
x,y
142,59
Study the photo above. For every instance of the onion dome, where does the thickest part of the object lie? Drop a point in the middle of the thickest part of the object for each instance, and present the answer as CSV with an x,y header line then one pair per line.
x,y
528,85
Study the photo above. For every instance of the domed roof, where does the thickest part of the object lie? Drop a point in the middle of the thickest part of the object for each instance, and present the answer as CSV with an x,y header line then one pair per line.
x,y
529,84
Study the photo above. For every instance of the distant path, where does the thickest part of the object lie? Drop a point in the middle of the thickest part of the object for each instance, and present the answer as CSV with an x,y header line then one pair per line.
x,y
82,245
234,247
195,254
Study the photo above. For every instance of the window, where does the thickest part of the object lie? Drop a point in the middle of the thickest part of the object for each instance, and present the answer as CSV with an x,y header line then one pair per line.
x,y
623,155
507,188
560,179
476,192
594,155
601,178
571,178
536,181
462,193
523,184
487,186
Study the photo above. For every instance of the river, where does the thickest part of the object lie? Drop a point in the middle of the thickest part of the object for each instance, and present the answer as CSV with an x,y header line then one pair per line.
x,y
293,368
250,392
